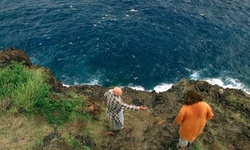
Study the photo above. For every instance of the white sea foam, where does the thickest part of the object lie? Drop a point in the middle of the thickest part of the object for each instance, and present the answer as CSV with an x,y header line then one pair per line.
x,y
138,88
223,81
92,82
66,85
133,10
195,75
228,82
162,87
159,88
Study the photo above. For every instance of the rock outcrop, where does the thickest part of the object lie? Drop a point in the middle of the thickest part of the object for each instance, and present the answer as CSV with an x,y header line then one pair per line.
x,y
12,54
154,128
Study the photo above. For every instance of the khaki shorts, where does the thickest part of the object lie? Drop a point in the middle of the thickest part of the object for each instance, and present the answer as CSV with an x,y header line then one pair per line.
x,y
182,142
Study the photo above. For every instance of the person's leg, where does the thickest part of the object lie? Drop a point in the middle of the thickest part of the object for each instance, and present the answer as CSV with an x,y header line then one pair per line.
x,y
111,121
118,126
182,143
121,117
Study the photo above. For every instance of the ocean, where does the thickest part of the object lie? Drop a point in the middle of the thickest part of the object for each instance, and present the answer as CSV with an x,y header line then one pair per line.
x,y
143,44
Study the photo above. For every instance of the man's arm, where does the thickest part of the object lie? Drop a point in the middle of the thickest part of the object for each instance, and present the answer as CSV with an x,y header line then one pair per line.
x,y
129,107
180,117
132,107
210,113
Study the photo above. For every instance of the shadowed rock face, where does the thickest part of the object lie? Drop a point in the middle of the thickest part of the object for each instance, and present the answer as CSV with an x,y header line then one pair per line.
x,y
154,129
12,54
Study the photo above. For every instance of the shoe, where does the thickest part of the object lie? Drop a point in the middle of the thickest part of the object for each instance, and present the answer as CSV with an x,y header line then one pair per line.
x,y
178,147
109,133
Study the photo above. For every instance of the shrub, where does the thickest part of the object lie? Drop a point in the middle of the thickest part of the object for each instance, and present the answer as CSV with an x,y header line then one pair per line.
x,y
24,86
58,111
29,93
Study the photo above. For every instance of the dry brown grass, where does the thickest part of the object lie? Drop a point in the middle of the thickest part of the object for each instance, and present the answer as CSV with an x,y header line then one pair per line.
x,y
20,132
83,126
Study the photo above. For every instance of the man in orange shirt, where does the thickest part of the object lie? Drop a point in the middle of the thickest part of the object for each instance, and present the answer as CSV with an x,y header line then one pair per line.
x,y
192,117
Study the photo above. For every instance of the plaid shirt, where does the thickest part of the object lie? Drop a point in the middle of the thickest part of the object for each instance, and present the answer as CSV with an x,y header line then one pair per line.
x,y
114,106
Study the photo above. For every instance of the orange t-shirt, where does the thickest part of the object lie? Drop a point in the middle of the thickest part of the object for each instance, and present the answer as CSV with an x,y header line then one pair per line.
x,y
192,119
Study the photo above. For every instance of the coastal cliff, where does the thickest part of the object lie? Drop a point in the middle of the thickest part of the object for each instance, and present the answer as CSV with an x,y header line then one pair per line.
x,y
144,130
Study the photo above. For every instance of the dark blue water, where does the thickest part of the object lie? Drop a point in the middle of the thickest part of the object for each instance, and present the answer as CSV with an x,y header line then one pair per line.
x,y
132,42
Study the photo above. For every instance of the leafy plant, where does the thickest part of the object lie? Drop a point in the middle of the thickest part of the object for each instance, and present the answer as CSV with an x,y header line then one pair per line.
x,y
58,111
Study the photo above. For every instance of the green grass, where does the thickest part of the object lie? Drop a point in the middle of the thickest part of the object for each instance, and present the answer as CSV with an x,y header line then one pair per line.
x,y
23,86
29,96
28,93
197,146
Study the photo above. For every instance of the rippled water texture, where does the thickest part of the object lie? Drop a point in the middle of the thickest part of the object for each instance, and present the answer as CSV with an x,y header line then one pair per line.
x,y
132,42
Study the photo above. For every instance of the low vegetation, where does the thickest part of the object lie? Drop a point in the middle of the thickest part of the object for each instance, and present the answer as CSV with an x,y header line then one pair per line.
x,y
40,115
27,102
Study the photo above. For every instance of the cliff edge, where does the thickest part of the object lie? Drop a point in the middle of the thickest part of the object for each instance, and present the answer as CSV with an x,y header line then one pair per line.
x,y
144,130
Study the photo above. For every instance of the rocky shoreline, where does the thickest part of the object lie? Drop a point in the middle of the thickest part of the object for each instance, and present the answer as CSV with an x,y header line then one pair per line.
x,y
154,129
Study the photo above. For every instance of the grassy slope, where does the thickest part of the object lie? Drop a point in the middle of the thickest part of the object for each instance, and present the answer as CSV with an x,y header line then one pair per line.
x,y
20,130
29,110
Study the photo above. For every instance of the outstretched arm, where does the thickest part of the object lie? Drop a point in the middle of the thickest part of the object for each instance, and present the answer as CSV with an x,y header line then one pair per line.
x,y
129,107
132,107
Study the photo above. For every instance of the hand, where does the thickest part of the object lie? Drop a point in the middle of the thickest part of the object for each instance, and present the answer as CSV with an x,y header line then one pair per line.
x,y
143,108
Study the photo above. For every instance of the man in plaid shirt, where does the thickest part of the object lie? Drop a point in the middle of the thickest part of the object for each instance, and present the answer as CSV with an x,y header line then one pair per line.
x,y
115,107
